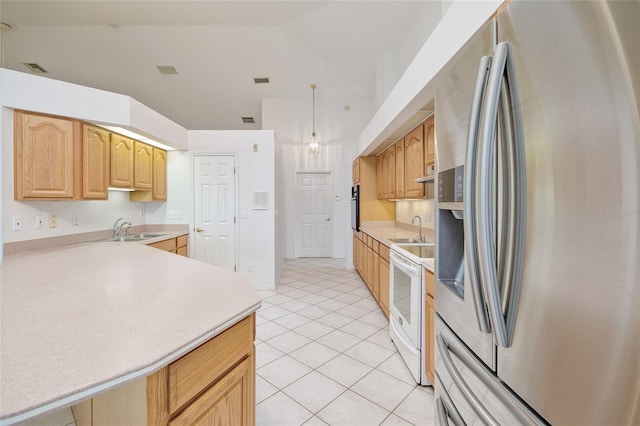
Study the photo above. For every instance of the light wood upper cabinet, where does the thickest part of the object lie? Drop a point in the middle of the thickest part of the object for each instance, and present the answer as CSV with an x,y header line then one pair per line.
x,y
391,155
95,162
46,157
122,154
400,169
355,170
379,176
429,142
414,163
143,166
385,176
159,174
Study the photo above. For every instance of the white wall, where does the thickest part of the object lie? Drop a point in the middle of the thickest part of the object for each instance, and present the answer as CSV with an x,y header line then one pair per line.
x,y
256,233
338,130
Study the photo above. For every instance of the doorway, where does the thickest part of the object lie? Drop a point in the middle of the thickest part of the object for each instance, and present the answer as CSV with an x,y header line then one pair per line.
x,y
314,210
215,210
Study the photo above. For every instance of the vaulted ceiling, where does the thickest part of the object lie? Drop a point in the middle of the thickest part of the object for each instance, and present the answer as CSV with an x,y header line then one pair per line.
x,y
218,48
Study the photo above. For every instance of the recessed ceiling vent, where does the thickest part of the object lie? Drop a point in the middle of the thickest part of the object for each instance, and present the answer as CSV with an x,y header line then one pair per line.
x,y
167,69
35,68
261,80
248,120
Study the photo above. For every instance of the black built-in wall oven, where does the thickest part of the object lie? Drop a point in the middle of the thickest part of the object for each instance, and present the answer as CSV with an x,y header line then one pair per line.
x,y
355,207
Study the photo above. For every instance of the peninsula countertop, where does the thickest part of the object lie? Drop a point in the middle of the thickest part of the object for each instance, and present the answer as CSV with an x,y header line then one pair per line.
x,y
81,319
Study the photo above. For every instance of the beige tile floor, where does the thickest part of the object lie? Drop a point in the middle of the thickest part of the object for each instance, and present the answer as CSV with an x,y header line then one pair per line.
x,y
324,356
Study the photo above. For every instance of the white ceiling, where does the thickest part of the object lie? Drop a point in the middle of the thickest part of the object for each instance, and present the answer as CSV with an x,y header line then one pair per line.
x,y
217,47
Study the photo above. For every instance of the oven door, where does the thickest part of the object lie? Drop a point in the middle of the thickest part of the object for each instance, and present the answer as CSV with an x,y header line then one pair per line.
x,y
405,283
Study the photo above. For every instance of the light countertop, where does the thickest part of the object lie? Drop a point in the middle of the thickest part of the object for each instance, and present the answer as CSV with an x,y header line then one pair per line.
x,y
84,318
383,232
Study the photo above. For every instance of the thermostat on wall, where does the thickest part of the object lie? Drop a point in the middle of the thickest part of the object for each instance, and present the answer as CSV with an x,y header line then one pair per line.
x,y
261,200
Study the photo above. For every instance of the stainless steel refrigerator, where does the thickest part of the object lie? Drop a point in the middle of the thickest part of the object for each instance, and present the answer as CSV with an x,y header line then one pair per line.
x,y
538,220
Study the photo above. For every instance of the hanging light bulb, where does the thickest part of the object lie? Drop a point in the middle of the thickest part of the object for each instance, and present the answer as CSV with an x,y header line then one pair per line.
x,y
313,146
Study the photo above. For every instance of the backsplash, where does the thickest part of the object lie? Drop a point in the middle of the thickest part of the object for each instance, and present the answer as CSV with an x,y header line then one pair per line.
x,y
405,210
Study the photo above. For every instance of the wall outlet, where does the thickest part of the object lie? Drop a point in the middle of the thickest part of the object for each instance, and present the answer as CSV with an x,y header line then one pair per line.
x,y
74,220
244,214
53,221
174,214
141,214
17,223
250,267
39,221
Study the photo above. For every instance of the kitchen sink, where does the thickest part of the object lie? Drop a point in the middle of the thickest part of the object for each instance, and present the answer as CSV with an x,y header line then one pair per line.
x,y
136,237
406,240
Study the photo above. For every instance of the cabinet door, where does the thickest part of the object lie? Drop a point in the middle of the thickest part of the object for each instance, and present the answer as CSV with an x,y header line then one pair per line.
x,y
400,169
159,174
379,177
384,286
391,176
229,402
375,276
356,171
414,163
385,176
121,161
95,162
143,166
45,157
429,142
429,354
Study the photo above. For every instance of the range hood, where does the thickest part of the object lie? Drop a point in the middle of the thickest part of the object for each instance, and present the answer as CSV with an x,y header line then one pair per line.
x,y
426,179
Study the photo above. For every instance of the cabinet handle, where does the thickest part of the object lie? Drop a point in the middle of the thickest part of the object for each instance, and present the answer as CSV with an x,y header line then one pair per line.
x,y
198,229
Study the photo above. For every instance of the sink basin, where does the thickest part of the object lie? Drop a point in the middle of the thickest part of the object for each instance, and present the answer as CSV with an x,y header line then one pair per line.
x,y
136,237
406,240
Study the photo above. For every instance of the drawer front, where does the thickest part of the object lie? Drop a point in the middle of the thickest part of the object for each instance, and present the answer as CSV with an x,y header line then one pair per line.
x,y
182,241
166,245
376,246
384,252
182,251
429,282
198,369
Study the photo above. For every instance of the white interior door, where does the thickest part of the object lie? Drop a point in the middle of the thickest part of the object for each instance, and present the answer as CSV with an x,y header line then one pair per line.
x,y
215,211
313,216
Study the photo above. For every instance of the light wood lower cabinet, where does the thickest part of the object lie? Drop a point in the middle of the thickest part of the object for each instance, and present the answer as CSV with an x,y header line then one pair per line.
x,y
178,245
429,319
212,385
371,259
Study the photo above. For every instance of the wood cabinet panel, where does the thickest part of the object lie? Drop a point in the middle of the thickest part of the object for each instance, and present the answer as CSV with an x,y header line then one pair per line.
x,y
166,245
384,252
429,354
414,163
429,282
391,172
400,169
95,162
225,403
143,166
429,142
355,171
379,177
384,285
159,174
46,157
385,176
195,371
122,154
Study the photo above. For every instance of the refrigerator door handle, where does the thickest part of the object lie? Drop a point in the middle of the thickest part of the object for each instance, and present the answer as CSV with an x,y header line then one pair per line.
x,y
501,86
470,213
446,408
444,347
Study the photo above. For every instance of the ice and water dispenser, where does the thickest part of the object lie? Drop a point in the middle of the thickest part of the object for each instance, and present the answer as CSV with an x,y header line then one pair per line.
x,y
450,230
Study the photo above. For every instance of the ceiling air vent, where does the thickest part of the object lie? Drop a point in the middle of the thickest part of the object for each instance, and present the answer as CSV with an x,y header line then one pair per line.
x,y
35,68
248,120
261,80
167,69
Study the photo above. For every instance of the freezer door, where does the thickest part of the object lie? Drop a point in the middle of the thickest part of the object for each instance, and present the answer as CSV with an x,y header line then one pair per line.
x,y
467,392
455,298
576,343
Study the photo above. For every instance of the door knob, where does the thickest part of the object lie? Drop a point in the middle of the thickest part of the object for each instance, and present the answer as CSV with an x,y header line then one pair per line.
x,y
198,229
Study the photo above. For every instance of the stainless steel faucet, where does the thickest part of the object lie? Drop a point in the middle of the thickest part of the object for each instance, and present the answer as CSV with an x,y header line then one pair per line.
x,y
420,236
117,227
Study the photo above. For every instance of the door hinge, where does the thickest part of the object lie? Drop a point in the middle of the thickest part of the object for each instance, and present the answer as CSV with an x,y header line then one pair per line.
x,y
234,219
234,268
234,170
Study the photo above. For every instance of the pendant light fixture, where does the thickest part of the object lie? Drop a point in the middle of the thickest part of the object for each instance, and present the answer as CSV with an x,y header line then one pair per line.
x,y
313,146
